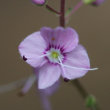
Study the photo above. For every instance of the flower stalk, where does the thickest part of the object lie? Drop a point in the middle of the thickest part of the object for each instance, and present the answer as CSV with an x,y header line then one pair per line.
x,y
89,99
80,88
62,10
52,10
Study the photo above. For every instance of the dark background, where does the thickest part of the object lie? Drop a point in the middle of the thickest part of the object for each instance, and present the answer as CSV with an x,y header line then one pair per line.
x,y
18,18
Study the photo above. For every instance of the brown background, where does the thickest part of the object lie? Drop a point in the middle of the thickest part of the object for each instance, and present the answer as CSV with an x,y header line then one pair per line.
x,y
18,18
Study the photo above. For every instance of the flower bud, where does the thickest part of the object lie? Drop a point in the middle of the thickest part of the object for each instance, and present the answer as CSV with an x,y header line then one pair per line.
x,y
88,1
39,2
93,2
90,101
98,2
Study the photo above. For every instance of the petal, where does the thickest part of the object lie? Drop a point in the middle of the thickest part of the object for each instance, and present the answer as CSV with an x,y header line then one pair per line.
x,y
32,48
77,58
47,34
48,75
67,39
52,89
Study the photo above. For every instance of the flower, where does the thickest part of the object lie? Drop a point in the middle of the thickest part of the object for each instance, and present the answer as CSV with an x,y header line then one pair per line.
x,y
39,2
55,53
93,2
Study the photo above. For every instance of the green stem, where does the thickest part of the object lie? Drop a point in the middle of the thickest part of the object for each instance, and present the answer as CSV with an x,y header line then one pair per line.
x,y
80,88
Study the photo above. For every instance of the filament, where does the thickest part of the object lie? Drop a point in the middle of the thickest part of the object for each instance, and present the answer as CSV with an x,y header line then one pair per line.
x,y
91,69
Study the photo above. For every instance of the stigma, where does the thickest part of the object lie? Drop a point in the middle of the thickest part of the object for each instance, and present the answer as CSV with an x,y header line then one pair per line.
x,y
54,55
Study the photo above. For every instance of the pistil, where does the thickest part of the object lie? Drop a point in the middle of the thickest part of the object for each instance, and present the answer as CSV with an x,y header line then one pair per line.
x,y
54,55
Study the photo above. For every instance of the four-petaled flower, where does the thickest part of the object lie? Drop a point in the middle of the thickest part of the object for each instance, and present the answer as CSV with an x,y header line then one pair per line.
x,y
55,52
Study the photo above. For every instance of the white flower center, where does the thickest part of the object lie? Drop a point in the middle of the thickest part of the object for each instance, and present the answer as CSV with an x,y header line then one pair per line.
x,y
53,55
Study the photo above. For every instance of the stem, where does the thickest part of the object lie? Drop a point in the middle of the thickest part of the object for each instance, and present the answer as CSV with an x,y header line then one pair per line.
x,y
62,23
80,88
84,94
62,11
13,85
44,101
53,10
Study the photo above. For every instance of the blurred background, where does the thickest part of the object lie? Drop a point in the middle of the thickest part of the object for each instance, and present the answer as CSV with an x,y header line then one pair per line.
x,y
19,18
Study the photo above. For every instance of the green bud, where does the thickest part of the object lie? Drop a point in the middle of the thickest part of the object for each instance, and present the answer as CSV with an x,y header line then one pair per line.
x,y
88,1
90,101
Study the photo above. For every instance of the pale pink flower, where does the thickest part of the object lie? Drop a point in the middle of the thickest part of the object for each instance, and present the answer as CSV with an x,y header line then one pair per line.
x,y
55,53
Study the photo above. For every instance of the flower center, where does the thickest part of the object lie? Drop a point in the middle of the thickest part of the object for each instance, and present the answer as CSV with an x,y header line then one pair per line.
x,y
54,55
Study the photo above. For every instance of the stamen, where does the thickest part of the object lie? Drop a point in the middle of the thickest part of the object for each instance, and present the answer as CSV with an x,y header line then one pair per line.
x,y
61,64
80,68
75,67
53,38
24,58
66,80
44,55
60,61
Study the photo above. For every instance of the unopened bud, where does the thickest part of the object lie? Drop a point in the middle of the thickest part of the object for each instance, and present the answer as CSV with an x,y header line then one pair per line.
x,y
88,1
90,101
39,2
93,2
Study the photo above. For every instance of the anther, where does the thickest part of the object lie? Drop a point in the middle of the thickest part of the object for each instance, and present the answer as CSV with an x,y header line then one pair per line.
x,y
66,80
24,58
53,38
